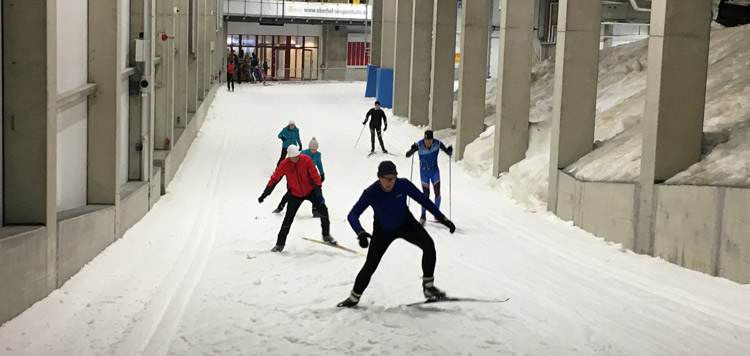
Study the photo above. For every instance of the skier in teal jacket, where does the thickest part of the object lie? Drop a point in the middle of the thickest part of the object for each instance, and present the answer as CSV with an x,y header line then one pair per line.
x,y
289,135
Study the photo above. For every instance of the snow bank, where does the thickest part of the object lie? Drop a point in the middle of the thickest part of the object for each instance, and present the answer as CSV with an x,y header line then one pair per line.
x,y
618,135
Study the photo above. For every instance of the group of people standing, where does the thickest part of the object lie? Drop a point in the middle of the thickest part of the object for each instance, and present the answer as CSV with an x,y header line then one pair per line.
x,y
387,196
246,67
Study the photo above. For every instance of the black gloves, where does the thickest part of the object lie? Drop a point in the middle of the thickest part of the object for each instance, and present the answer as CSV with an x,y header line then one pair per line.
x,y
283,138
449,224
322,178
266,192
385,129
363,236
450,150
409,153
364,122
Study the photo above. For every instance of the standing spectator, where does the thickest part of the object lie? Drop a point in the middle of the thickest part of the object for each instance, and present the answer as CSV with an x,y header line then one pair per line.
x,y
230,75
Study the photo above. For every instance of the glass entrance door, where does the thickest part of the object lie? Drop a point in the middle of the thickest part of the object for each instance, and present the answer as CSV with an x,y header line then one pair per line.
x,y
281,72
307,65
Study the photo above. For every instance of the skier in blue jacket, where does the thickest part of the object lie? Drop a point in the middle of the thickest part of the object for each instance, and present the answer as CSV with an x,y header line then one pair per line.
x,y
289,135
312,152
428,149
387,197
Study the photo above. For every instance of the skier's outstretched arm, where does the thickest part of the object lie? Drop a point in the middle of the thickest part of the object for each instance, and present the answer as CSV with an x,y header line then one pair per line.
x,y
423,200
281,135
355,213
367,116
412,150
447,150
385,121
275,178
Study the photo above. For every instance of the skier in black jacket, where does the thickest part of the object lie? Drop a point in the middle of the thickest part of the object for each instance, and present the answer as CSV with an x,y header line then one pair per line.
x,y
377,116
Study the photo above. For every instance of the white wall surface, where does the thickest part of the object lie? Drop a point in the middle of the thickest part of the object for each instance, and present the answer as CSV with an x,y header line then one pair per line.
x,y
125,36
72,72
71,157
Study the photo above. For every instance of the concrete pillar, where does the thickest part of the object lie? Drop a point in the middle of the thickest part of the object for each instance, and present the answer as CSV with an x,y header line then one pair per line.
x,y
377,31
181,63
402,53
388,39
335,43
608,31
30,121
421,62
514,84
443,64
472,72
673,120
205,19
576,75
105,27
195,54
163,119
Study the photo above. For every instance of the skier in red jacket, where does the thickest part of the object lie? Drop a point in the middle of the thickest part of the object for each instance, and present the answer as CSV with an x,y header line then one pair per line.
x,y
303,182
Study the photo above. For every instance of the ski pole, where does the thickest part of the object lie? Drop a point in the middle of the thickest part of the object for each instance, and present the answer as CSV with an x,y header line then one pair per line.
x,y
360,135
450,187
411,175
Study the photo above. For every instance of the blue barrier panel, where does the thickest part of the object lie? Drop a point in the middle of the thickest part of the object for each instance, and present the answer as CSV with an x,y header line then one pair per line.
x,y
385,87
372,81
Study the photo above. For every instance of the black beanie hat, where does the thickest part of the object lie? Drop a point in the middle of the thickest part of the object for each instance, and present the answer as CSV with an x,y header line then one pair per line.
x,y
385,168
429,135
377,103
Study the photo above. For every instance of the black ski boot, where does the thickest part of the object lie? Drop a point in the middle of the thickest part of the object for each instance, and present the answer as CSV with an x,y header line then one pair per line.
x,y
278,210
277,248
316,214
329,239
350,302
423,219
429,289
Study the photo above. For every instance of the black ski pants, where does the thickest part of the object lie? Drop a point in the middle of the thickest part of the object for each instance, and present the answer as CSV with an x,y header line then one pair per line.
x,y
230,81
285,200
316,198
283,155
413,232
373,131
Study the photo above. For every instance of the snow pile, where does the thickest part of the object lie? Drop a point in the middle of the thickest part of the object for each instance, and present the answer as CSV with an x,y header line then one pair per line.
x,y
620,107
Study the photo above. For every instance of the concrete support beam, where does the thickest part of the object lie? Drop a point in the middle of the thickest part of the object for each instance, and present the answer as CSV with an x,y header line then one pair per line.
x,y
30,121
163,118
388,38
472,72
195,59
421,62
334,52
608,31
204,46
181,64
443,63
576,75
105,53
514,84
136,26
376,31
673,120
402,53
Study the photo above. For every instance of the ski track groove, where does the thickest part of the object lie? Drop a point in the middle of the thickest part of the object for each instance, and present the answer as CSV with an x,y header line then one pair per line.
x,y
181,282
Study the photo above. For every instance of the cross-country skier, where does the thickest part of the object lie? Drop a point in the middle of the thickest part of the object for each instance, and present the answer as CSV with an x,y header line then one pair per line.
x,y
376,116
303,182
428,149
387,197
312,152
289,135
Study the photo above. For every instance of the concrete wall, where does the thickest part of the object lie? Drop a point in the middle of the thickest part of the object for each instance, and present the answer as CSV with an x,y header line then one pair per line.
x,y
604,209
704,228
23,276
82,234
134,204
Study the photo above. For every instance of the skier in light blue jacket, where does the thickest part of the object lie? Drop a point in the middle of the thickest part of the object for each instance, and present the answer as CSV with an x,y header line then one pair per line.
x,y
289,135
312,152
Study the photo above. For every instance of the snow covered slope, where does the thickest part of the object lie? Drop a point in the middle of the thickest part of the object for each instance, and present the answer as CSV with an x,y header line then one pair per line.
x,y
179,282
620,106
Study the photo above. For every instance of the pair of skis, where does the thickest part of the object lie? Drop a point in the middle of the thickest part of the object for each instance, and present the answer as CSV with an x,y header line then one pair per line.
x,y
386,153
336,245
